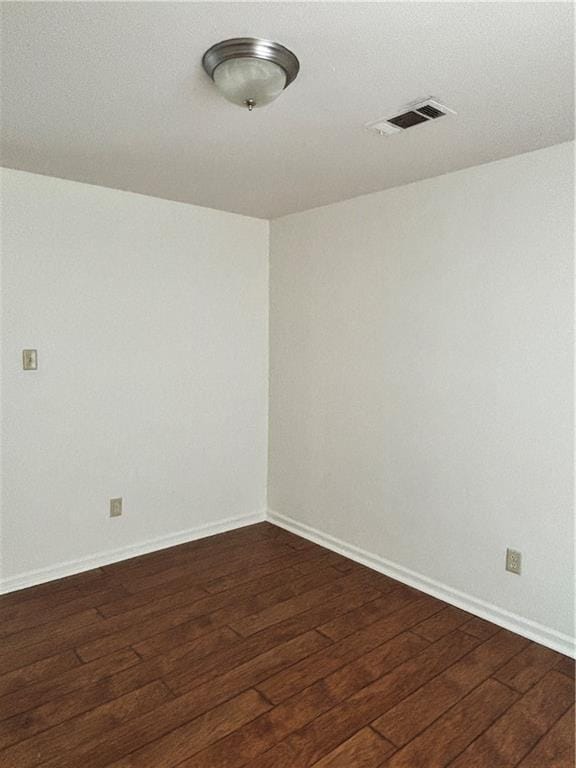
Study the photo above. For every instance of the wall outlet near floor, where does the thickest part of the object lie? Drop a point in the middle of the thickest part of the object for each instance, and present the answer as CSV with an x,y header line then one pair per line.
x,y
115,507
30,359
514,561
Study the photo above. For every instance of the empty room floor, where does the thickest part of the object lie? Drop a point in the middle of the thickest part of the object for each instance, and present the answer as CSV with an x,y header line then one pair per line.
x,y
256,647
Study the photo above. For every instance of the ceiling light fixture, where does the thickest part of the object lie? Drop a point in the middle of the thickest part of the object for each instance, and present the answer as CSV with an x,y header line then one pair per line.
x,y
250,72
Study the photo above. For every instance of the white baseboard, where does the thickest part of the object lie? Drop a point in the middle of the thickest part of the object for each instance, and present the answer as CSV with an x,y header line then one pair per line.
x,y
72,567
521,626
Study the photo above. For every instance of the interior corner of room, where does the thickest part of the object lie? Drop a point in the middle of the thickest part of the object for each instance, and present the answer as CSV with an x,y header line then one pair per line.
x,y
384,368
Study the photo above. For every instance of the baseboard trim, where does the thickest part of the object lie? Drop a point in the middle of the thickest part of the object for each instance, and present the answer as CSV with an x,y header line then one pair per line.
x,y
73,567
515,623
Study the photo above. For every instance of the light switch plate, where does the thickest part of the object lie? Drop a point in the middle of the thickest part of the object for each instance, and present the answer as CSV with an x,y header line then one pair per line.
x,y
115,507
30,359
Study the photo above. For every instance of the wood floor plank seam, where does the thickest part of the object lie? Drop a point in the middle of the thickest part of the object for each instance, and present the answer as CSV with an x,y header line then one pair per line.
x,y
533,706
372,649
231,628
22,710
529,762
84,620
256,648
301,623
90,649
34,619
41,670
33,752
343,702
136,665
471,656
287,622
228,566
346,641
264,697
132,648
298,559
396,761
253,684
431,679
370,613
415,690
352,736
128,755
198,571
455,705
514,690
182,697
217,599
477,638
156,561
298,662
49,588
564,671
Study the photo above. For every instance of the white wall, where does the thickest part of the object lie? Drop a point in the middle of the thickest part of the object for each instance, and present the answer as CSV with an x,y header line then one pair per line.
x,y
151,321
421,381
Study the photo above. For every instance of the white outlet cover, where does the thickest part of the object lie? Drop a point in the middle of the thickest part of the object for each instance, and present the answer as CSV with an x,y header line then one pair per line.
x,y
514,561
30,359
116,507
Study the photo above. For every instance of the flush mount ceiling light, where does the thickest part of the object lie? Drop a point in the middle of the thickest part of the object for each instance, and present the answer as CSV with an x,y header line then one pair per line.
x,y
250,72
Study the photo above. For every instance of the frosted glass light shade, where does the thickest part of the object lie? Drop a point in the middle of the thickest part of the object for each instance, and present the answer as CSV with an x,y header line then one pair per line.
x,y
249,82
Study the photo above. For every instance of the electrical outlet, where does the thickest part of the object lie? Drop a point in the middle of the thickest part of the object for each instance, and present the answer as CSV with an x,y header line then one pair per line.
x,y
30,359
115,507
514,561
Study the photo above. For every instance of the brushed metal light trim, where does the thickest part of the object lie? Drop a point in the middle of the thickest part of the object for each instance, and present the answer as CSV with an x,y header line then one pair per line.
x,y
255,48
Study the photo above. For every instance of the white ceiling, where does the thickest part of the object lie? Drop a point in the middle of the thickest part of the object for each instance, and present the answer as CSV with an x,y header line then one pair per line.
x,y
114,94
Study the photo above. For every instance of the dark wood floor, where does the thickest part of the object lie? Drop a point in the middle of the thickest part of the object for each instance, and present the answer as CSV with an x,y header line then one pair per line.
x,y
258,648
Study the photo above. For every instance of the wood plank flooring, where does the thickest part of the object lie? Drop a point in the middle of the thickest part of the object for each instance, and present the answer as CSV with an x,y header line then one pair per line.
x,y
257,648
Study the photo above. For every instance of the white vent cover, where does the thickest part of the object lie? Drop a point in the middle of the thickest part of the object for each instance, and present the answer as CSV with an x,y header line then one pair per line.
x,y
417,113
